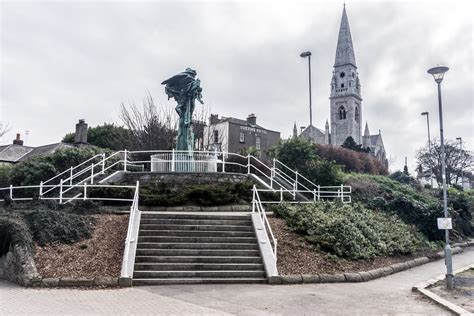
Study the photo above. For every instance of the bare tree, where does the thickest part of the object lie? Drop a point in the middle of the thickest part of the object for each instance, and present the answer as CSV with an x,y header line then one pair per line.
x,y
151,127
457,160
4,128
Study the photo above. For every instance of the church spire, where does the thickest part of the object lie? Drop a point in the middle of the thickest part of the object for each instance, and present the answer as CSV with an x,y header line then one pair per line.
x,y
345,49
366,132
295,131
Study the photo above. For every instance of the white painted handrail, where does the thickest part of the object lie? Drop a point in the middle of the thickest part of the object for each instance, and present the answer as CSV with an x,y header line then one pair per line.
x,y
132,237
258,207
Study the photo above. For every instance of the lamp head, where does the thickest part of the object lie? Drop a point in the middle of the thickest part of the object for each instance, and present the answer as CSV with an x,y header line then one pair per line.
x,y
438,73
425,113
459,138
305,54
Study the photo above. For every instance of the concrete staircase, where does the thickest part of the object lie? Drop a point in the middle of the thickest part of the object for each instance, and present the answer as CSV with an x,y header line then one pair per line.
x,y
181,248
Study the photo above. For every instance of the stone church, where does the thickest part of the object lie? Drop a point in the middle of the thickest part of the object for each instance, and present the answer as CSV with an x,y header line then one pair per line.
x,y
345,102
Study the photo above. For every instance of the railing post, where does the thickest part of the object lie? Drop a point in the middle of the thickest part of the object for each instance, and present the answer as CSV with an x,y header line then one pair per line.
x,y
125,158
296,179
253,199
41,190
314,195
70,176
342,193
85,191
92,173
11,191
274,163
172,160
61,191
248,163
272,174
223,161
281,194
319,192
103,163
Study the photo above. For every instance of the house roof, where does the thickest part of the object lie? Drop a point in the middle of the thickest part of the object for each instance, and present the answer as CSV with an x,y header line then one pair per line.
x,y
14,153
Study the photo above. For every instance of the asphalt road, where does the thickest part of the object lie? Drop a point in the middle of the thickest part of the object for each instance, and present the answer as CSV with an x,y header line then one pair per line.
x,y
388,295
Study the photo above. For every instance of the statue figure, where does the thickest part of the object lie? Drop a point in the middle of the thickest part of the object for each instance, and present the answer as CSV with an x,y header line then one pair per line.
x,y
185,89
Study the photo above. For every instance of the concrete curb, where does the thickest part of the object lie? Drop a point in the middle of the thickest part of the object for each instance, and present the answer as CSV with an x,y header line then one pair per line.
x,y
365,276
423,289
76,282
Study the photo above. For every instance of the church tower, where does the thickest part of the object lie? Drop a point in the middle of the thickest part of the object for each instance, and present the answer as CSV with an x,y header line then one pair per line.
x,y
346,100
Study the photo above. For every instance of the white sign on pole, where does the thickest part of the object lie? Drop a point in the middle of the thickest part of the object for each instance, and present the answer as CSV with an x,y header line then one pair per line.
x,y
445,223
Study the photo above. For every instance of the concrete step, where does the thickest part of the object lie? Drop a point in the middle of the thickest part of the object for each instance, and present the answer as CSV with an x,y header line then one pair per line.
x,y
195,233
172,239
158,266
193,227
139,274
163,281
198,259
166,245
171,221
195,216
198,252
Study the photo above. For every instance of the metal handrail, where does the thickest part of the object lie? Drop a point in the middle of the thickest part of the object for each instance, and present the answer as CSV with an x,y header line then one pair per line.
x,y
131,234
69,170
257,206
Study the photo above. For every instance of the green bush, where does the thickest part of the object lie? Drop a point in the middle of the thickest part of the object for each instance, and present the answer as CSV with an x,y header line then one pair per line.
x,y
414,206
351,231
47,226
13,231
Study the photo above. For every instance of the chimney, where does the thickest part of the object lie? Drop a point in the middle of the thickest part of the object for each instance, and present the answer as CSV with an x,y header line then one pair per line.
x,y
17,140
252,119
214,119
81,132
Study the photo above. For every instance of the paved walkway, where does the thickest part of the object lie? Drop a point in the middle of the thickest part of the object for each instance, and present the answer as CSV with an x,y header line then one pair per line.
x,y
389,295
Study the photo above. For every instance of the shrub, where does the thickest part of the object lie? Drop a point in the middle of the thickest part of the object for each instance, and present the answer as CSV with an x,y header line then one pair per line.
x,y
13,231
48,226
351,231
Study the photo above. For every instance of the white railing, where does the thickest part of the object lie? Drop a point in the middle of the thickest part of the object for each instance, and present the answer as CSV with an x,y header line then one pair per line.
x,y
258,207
288,183
63,188
132,236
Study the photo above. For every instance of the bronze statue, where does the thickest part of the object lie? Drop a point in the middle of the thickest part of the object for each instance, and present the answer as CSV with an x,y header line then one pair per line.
x,y
185,89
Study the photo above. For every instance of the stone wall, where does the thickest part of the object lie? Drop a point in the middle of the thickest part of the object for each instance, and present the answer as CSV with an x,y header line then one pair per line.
x,y
176,178
18,266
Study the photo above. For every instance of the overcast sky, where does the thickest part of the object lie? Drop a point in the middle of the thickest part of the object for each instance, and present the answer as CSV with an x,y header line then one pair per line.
x,y
62,61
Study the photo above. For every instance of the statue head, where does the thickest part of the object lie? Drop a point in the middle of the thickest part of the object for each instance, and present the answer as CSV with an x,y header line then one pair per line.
x,y
191,72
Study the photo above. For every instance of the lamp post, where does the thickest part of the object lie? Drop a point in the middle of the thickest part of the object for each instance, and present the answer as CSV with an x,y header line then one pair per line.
x,y
438,74
429,143
462,170
304,55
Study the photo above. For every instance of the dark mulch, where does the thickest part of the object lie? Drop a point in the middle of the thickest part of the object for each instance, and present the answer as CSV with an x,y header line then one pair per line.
x,y
99,256
297,256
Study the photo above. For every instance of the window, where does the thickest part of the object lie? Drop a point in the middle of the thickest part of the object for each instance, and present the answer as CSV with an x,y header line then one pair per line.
x,y
257,142
350,84
342,113
242,137
342,85
215,136
356,117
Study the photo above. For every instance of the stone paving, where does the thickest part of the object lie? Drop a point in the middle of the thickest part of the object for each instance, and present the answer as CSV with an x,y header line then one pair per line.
x,y
389,295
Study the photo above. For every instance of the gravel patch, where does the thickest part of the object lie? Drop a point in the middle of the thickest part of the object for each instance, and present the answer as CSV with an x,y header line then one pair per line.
x,y
297,256
463,293
99,256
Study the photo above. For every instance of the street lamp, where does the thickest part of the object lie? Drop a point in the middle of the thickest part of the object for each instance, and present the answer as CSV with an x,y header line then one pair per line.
x,y
438,74
429,143
304,55
462,170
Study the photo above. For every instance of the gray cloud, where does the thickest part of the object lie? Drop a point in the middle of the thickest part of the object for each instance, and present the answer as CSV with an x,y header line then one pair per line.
x,y
62,61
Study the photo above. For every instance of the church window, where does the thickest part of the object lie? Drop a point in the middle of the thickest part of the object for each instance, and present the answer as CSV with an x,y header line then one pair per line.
x,y
356,117
342,75
342,85
350,84
353,75
216,136
342,113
